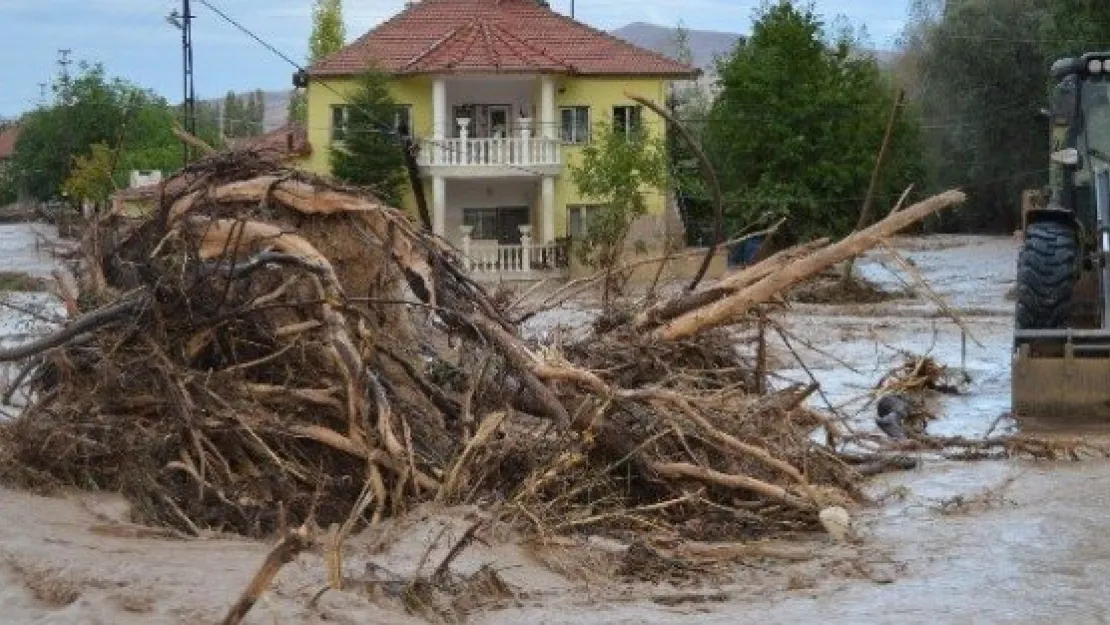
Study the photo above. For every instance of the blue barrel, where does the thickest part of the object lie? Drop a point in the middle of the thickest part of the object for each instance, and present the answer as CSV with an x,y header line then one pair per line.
x,y
743,252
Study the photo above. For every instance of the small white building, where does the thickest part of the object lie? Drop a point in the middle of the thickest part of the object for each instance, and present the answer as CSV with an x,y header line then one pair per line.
x,y
142,178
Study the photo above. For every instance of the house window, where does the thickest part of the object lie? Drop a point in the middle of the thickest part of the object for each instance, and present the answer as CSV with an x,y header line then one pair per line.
x,y
501,224
340,118
578,220
483,221
402,120
341,121
627,119
575,126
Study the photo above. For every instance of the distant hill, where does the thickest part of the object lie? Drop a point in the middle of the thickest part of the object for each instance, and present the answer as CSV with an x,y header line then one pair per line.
x,y
705,45
277,107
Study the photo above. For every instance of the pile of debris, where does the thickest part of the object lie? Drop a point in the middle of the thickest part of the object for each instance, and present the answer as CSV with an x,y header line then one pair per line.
x,y
270,349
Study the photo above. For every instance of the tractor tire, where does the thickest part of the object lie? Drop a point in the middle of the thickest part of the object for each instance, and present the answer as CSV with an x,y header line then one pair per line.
x,y
1047,270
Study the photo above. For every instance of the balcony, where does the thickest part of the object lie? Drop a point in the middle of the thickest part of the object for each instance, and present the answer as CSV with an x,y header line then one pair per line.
x,y
490,261
466,156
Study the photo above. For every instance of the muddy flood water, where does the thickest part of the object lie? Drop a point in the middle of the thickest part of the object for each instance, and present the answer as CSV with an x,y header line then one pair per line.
x,y
982,542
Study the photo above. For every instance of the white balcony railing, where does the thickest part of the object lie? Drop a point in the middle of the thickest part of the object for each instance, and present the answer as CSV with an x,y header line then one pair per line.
x,y
504,152
525,260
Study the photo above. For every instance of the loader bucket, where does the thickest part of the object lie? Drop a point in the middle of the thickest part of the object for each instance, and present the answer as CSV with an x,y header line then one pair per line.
x,y
1062,387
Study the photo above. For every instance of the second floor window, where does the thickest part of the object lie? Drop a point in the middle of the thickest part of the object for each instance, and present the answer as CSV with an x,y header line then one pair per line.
x,y
340,118
402,120
575,124
343,116
627,119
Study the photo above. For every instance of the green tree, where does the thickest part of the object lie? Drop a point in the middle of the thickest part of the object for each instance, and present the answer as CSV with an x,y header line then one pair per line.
x,y
328,31
981,76
798,121
91,176
1078,26
616,171
328,35
369,154
258,115
690,102
92,109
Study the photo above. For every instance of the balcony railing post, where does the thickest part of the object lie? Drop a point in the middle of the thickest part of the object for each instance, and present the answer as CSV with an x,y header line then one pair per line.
x,y
466,231
464,144
525,248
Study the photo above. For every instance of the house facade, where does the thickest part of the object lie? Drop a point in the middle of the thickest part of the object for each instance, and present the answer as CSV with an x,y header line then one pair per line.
x,y
500,96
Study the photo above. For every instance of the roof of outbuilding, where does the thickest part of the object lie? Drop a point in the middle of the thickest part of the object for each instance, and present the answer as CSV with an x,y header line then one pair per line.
x,y
8,137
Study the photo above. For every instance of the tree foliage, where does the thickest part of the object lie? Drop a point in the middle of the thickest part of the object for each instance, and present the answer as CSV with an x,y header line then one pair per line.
x,y
617,169
370,153
979,77
690,102
243,116
978,71
328,35
328,31
798,122
90,109
91,176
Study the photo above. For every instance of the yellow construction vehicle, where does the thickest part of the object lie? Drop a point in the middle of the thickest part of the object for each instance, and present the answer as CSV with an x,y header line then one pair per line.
x,y
1061,358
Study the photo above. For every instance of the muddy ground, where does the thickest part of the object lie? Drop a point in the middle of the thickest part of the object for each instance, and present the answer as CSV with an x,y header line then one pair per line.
x,y
948,545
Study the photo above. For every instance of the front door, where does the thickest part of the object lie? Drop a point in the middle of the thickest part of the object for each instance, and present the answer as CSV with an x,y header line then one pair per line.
x,y
509,220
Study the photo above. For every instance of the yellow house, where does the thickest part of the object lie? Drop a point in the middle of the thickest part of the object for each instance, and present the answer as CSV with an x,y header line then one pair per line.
x,y
500,96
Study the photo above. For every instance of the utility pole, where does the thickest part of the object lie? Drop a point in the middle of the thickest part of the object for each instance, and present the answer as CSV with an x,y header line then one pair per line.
x,y
67,108
63,62
184,22
571,9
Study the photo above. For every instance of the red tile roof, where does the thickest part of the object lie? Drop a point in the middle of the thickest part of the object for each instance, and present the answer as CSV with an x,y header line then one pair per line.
x,y
481,36
8,137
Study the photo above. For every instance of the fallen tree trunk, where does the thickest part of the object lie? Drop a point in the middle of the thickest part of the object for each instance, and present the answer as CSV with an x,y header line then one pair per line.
x,y
665,311
732,307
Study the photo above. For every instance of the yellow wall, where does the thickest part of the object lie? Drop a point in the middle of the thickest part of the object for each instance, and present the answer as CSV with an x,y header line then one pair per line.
x,y
600,94
413,91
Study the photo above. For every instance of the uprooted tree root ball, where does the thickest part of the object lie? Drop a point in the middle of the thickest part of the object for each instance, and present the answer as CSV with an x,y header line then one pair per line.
x,y
270,349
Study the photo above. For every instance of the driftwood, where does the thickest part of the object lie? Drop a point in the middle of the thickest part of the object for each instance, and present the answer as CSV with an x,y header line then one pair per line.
x,y
736,305
296,350
665,311
284,552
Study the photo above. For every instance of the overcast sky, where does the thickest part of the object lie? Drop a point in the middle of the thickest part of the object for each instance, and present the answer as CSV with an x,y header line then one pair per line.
x,y
134,41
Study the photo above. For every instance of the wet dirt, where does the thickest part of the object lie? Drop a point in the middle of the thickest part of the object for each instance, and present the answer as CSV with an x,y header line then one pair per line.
x,y
988,542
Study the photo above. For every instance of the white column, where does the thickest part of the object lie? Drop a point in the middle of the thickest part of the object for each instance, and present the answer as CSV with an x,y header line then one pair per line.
x,y
547,107
439,109
439,204
463,156
547,210
526,140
